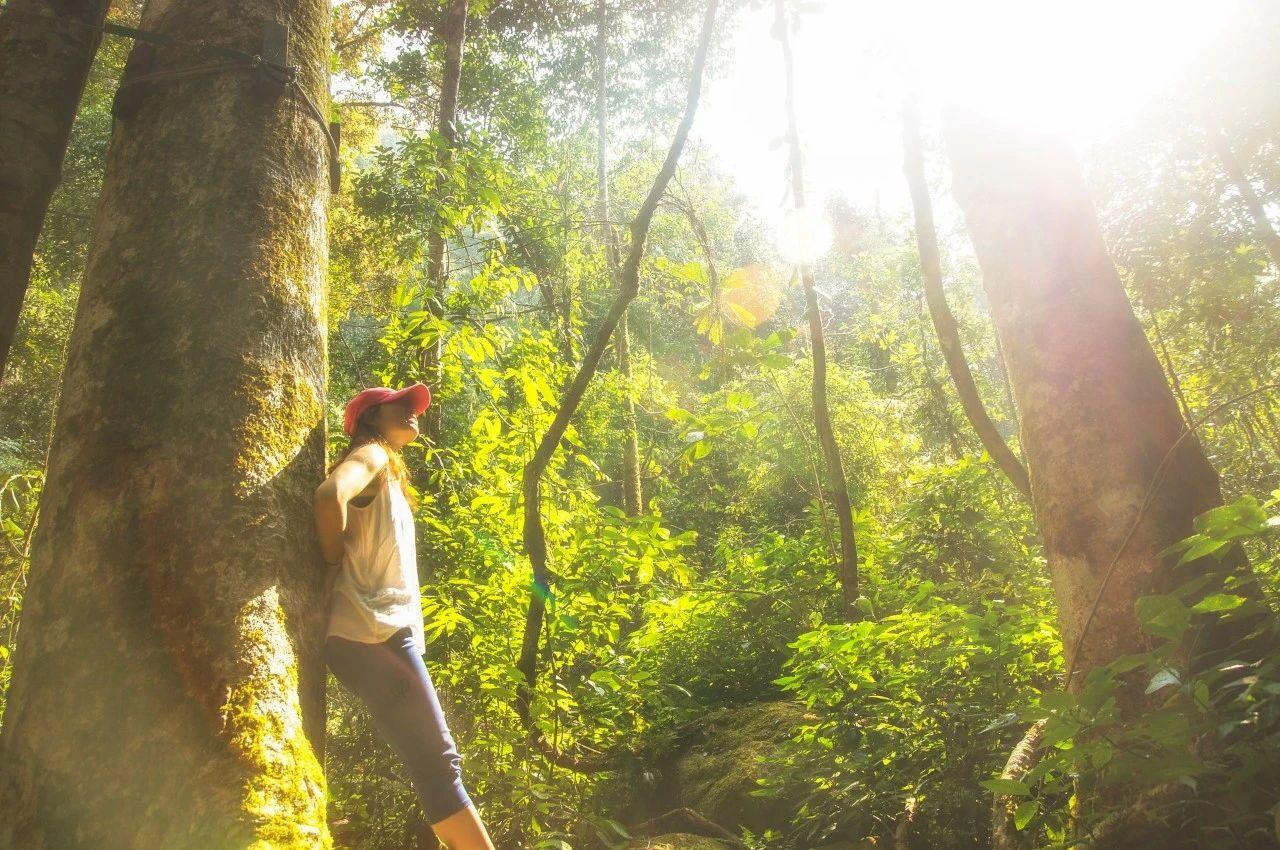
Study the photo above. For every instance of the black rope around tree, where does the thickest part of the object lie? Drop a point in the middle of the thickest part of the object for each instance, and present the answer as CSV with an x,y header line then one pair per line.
x,y
281,73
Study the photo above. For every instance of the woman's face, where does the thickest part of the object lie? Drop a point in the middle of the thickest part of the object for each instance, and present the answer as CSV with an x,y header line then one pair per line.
x,y
396,422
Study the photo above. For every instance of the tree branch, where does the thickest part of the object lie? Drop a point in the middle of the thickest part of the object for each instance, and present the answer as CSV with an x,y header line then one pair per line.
x,y
535,542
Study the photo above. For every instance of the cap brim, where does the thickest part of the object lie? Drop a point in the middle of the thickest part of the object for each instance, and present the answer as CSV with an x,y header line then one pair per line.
x,y
418,394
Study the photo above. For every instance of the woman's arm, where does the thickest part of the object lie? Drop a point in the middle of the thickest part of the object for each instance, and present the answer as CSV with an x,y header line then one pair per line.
x,y
347,481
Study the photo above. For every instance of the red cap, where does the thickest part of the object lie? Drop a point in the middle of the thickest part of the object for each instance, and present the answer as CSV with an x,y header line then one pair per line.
x,y
365,399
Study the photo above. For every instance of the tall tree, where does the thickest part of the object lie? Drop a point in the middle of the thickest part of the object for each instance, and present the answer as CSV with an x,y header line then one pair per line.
x,y
1116,478
836,484
944,322
535,540
46,48
632,493
452,35
168,684
1097,414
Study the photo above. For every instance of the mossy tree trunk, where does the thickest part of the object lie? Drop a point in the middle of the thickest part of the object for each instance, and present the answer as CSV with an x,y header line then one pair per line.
x,y
46,49
168,682
1098,418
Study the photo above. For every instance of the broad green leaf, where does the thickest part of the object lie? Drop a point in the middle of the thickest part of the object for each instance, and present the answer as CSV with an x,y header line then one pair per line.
x,y
1218,602
1163,616
1006,787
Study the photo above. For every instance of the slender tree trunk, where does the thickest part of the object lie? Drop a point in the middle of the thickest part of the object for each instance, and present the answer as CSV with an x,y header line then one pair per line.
x,y
848,567
632,495
1098,418
1264,408
938,396
46,48
1262,227
1168,365
1005,383
452,34
168,683
943,320
535,541
1268,433
632,489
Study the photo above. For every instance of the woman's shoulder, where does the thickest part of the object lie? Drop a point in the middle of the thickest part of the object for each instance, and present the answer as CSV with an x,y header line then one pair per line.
x,y
371,455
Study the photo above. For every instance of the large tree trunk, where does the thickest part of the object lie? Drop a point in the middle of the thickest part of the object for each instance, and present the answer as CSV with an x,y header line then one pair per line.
x,y
1098,419
168,681
44,61
837,486
632,494
944,323
452,33
1116,477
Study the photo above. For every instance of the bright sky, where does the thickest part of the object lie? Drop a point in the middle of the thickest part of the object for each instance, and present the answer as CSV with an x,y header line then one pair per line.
x,y
1080,68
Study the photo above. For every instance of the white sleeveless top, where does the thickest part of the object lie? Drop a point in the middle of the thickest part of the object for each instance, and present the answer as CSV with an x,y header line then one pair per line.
x,y
377,592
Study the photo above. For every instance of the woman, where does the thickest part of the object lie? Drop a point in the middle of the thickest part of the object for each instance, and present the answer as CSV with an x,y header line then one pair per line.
x,y
375,637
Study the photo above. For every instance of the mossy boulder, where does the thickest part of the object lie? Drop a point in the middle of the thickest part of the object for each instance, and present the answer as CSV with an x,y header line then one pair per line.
x,y
677,841
717,774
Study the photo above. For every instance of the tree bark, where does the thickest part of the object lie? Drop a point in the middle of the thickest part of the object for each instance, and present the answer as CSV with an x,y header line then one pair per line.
x,y
632,494
453,35
1115,480
1004,835
1262,228
1117,476
168,682
46,49
535,541
848,567
943,320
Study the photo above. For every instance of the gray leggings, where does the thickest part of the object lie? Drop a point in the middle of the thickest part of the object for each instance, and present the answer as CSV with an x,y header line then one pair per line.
x,y
392,680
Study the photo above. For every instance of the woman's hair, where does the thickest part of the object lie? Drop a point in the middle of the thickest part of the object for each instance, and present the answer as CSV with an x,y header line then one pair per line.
x,y
367,432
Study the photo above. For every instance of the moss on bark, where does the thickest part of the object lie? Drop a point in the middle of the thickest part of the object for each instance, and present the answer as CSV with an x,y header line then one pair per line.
x,y
168,687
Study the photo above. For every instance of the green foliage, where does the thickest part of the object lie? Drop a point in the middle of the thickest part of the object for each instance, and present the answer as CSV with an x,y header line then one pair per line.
x,y
904,706
722,597
913,702
1211,720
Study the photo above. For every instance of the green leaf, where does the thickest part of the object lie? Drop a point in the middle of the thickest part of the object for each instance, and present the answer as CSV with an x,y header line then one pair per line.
x,y
1166,677
1163,616
1025,813
742,314
1006,787
1200,548
1218,602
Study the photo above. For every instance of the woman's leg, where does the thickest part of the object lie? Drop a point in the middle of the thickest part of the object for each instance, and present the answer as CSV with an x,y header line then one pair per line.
x,y
463,831
392,680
